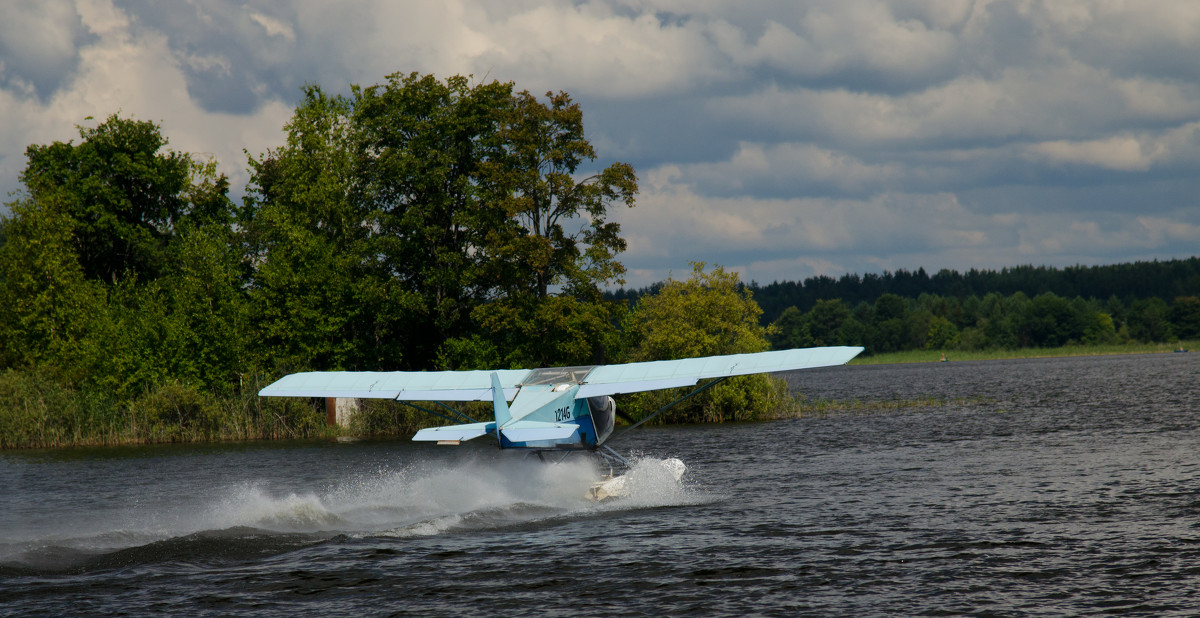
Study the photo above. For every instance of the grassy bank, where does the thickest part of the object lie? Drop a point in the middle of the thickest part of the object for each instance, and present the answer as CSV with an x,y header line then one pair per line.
x,y
933,356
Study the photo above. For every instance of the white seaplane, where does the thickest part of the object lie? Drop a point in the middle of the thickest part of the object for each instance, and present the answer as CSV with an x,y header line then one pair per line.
x,y
552,410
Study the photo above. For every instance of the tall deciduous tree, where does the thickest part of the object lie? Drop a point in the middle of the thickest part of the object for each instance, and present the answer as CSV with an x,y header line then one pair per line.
x,y
556,247
122,193
559,228
419,144
458,208
321,295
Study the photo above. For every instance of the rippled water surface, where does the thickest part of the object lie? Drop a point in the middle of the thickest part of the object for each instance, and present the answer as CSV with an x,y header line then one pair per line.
x,y
1057,486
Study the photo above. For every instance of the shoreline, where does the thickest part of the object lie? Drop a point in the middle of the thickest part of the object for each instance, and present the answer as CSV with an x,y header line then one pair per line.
x,y
935,356
295,428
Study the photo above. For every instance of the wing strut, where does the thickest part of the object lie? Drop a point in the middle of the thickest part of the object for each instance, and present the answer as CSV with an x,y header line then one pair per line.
x,y
437,414
456,412
671,405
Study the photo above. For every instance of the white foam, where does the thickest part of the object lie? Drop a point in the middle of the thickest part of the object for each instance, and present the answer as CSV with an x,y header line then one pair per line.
x,y
423,499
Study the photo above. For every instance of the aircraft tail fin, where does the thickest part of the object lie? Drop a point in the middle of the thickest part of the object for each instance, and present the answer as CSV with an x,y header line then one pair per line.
x,y
498,402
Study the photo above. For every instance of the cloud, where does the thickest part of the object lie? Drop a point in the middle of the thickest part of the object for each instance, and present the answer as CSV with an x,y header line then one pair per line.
x,y
1127,152
790,168
777,138
134,72
789,239
1115,153
39,46
273,27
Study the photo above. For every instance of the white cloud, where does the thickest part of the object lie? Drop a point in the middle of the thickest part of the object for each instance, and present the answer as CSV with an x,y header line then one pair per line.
x,y
138,76
1126,152
1117,153
273,27
790,168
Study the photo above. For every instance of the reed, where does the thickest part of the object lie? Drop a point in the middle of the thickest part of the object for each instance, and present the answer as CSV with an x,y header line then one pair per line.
x,y
39,411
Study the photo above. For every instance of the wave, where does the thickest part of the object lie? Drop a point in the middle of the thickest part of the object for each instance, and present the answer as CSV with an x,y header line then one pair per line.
x,y
419,500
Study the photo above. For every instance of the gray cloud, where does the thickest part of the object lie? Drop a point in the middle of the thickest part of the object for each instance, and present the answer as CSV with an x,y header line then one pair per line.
x,y
780,138
39,46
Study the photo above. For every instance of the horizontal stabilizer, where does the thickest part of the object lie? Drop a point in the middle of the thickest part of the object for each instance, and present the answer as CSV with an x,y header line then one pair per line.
x,y
453,433
534,431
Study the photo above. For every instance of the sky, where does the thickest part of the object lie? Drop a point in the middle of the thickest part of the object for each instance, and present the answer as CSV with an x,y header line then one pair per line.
x,y
779,139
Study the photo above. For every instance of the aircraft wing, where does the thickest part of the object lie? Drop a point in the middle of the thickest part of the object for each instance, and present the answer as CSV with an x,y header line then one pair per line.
x,y
653,375
402,385
599,380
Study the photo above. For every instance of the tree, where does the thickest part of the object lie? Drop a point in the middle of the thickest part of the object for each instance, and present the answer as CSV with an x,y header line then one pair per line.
x,y
791,330
323,294
1185,317
554,234
709,314
826,320
451,204
1050,321
1148,320
942,334
121,193
532,177
418,145
105,224
46,303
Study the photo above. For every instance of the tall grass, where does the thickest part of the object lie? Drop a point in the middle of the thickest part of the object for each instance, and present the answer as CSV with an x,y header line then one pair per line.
x,y
37,410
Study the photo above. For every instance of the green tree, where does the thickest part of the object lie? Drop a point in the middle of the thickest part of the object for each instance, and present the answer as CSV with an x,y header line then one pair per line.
x,y
889,331
555,248
1148,320
206,338
1185,317
47,305
942,334
533,177
424,221
418,145
826,320
104,225
791,330
1050,321
709,314
324,292
121,192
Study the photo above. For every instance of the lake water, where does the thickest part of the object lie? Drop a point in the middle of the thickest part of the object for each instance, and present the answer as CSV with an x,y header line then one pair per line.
x,y
1056,486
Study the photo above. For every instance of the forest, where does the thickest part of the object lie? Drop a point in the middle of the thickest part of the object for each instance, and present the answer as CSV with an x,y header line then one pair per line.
x,y
416,224
1017,307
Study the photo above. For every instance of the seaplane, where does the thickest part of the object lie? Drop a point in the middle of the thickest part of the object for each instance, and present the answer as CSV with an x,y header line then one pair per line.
x,y
550,411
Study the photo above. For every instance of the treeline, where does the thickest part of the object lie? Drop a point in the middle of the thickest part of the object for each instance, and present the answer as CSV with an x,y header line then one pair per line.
x,y
931,322
416,224
1166,280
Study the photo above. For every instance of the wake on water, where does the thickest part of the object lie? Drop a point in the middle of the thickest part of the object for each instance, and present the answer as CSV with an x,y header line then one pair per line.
x,y
417,500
